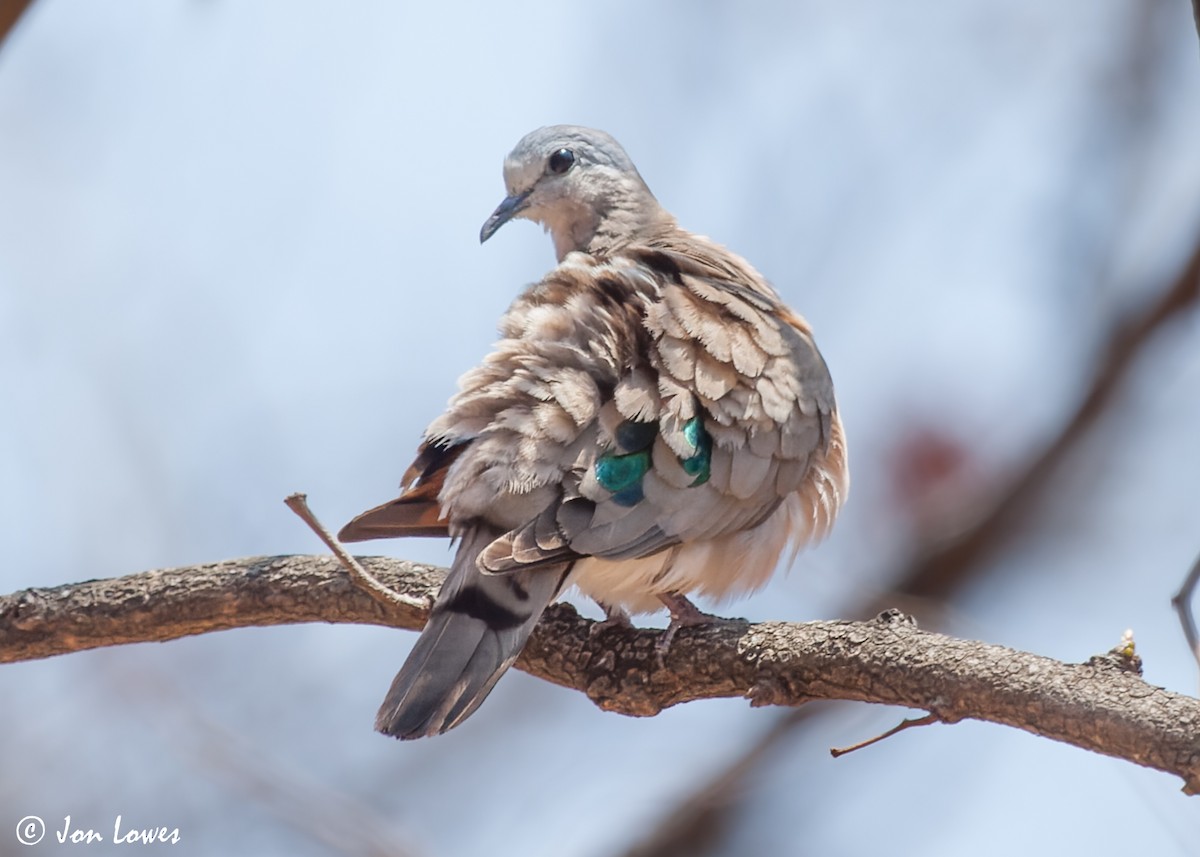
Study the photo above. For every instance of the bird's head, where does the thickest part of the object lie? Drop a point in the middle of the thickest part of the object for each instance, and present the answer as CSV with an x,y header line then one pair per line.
x,y
580,185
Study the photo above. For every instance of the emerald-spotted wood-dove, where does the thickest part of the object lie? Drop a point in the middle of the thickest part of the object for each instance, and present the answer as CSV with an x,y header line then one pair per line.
x,y
653,422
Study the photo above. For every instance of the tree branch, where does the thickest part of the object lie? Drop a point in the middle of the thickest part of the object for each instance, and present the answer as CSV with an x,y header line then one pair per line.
x,y
10,13
1102,705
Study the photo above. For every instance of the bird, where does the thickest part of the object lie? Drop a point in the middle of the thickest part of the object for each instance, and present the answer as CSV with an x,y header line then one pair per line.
x,y
653,423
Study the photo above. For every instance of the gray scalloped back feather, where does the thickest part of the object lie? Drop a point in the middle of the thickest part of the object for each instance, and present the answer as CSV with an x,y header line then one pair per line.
x,y
653,422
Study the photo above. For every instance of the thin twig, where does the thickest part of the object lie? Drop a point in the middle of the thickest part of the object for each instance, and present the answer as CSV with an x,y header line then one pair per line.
x,y
904,724
362,578
1182,602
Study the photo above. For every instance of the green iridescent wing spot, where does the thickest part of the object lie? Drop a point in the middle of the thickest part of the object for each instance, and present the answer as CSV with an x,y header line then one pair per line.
x,y
630,496
621,472
622,475
700,463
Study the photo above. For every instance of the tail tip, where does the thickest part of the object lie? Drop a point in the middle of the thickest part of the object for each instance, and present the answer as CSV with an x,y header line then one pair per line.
x,y
393,724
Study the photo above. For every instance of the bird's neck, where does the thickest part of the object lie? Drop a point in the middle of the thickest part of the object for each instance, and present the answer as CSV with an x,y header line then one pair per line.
x,y
601,233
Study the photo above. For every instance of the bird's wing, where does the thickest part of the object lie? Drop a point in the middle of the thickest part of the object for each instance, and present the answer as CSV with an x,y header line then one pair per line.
x,y
637,402
417,511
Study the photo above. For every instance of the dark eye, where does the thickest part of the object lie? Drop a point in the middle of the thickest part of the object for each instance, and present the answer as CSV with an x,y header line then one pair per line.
x,y
561,161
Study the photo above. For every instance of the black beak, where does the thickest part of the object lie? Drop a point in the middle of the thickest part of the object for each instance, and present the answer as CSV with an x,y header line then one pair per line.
x,y
505,211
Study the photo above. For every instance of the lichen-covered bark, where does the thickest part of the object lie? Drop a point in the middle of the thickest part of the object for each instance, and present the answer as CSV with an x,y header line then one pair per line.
x,y
1102,705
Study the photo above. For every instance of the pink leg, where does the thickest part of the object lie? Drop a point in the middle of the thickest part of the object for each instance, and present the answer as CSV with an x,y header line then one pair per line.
x,y
614,617
684,614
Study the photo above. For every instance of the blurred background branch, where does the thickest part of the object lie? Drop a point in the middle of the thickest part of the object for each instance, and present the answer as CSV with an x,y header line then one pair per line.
x,y
936,573
10,13
1182,602
313,808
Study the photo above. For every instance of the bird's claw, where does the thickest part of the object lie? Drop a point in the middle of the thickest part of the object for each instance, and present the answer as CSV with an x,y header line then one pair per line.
x,y
684,614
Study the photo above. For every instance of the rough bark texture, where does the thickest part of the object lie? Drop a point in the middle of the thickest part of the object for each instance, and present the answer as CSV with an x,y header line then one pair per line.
x,y
1102,705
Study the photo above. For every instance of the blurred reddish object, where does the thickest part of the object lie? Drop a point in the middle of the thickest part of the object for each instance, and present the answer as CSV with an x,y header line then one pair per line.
x,y
934,480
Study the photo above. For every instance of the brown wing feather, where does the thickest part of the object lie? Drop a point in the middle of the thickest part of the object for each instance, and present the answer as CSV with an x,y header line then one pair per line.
x,y
417,511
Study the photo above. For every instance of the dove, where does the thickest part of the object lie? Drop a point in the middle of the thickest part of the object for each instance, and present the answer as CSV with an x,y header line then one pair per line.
x,y
653,423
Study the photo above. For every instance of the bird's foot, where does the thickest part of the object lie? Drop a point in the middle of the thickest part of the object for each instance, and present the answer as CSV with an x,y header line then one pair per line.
x,y
684,614
614,617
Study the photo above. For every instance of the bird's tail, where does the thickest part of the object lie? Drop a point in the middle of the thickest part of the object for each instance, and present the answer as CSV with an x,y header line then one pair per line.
x,y
477,627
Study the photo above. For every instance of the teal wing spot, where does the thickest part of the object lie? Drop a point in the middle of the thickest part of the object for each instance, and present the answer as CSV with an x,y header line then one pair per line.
x,y
630,496
622,475
699,464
